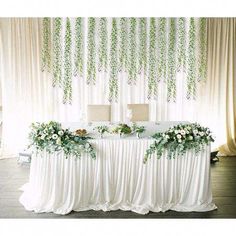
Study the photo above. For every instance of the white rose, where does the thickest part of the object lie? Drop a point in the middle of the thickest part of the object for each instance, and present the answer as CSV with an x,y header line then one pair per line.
x,y
176,132
54,136
195,131
201,133
180,141
182,132
187,132
179,136
87,145
190,137
167,136
60,133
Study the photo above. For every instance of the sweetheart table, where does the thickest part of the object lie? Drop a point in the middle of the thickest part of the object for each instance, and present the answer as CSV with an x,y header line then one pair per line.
x,y
118,179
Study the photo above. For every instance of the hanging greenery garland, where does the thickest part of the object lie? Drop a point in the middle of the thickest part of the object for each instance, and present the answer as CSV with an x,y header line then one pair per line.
x,y
191,70
152,69
162,49
113,82
123,55
171,68
142,45
57,52
67,65
79,47
202,59
91,59
103,41
46,49
132,70
181,44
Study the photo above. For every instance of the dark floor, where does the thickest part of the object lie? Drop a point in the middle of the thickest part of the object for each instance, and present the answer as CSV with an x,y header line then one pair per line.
x,y
13,176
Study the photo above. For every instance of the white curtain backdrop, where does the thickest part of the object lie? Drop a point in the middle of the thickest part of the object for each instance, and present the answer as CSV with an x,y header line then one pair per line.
x,y
28,95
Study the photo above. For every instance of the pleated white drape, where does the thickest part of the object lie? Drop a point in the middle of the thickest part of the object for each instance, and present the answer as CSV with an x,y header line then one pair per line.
x,y
28,94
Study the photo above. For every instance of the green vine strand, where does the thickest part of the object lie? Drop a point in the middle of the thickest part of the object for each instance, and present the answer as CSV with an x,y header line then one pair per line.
x,y
103,41
46,48
132,70
123,56
171,68
113,82
202,60
162,49
181,45
191,70
91,59
152,69
57,52
79,47
67,65
142,45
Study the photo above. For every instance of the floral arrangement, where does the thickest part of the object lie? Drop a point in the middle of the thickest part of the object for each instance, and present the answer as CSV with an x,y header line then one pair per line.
x,y
121,129
53,138
137,129
180,138
102,129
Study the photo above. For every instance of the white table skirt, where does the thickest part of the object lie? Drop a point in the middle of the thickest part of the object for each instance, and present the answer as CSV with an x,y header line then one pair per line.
x,y
118,179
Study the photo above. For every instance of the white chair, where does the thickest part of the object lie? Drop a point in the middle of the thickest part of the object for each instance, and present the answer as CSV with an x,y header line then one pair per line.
x,y
140,112
99,113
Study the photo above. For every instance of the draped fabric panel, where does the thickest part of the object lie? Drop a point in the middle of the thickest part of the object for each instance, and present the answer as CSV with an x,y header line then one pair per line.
x,y
28,94
118,179
219,90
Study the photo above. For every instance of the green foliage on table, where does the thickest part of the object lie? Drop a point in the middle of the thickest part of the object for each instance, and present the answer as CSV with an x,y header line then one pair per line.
x,y
137,129
123,45
57,52
178,139
103,45
51,137
46,45
91,47
102,129
79,47
132,69
121,129
171,62
191,62
113,80
142,53
152,68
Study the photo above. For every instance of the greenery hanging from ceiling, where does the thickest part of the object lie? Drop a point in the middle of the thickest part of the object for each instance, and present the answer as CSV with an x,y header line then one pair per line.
x,y
181,44
142,45
113,81
46,48
67,83
191,67
151,48
103,44
123,45
202,55
57,52
152,68
171,65
79,47
132,68
91,47
162,49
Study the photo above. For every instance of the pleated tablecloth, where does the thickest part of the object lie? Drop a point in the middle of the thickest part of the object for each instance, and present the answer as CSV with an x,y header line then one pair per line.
x,y
118,179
